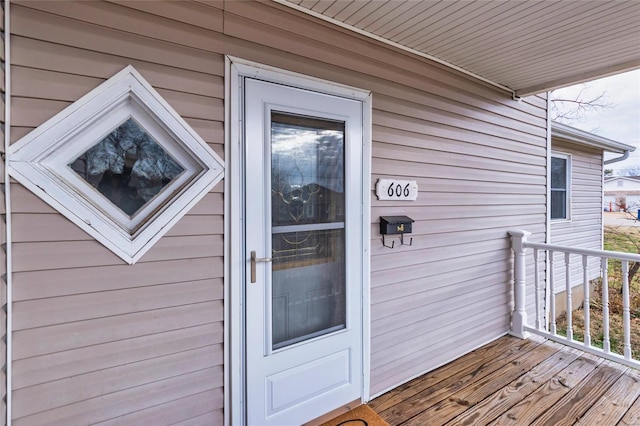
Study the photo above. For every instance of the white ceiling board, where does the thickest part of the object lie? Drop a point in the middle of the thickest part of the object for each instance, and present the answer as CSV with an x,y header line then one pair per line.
x,y
525,46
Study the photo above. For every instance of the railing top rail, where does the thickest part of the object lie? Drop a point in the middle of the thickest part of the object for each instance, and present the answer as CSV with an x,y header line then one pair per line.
x,y
588,252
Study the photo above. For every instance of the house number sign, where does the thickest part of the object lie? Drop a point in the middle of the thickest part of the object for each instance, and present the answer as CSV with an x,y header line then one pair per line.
x,y
396,189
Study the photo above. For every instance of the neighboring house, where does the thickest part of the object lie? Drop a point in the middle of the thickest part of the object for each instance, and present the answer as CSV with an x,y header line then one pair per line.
x,y
191,223
622,193
576,176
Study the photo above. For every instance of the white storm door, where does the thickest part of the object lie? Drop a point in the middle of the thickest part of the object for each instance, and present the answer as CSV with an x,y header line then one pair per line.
x,y
303,251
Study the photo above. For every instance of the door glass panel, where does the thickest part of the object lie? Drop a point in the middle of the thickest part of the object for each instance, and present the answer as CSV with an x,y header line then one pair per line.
x,y
307,218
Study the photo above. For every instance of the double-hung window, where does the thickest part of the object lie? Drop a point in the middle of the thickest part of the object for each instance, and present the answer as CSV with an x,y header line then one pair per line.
x,y
560,186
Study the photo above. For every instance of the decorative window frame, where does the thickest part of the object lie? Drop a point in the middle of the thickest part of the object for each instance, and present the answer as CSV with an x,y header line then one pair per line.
x,y
567,190
40,161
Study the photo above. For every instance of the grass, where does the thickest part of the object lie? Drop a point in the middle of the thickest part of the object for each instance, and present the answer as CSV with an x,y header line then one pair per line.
x,y
624,239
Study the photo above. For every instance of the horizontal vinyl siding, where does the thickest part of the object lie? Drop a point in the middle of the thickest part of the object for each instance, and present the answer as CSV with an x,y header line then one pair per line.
x,y
83,316
457,140
422,294
97,340
584,230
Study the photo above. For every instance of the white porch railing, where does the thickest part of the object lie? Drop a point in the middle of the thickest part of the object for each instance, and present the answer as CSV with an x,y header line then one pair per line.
x,y
545,325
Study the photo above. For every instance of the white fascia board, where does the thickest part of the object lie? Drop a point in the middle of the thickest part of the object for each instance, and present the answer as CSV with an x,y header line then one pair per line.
x,y
581,137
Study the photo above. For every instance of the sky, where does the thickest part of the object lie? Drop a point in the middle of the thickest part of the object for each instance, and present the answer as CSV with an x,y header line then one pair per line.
x,y
620,121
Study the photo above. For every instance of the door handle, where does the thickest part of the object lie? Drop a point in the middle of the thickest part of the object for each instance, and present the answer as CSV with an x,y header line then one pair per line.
x,y
255,259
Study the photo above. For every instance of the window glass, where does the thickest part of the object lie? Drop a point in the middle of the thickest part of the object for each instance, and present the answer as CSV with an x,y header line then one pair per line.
x,y
559,188
128,167
307,170
558,173
558,205
308,233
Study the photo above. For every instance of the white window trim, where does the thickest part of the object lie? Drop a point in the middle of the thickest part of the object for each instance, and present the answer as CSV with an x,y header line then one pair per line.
x,y
568,158
39,161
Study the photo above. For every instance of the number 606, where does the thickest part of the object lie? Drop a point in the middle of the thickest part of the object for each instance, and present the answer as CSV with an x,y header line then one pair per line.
x,y
398,190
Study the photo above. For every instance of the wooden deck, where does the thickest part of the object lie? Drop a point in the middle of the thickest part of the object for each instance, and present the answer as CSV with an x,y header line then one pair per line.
x,y
518,382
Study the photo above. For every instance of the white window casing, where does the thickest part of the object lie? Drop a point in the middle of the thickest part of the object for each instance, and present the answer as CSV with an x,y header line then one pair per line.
x,y
41,162
560,212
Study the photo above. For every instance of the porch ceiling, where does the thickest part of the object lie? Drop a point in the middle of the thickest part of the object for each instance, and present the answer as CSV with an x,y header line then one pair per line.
x,y
526,47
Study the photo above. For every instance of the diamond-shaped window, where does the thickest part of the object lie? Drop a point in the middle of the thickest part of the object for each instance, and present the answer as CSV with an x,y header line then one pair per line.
x,y
119,162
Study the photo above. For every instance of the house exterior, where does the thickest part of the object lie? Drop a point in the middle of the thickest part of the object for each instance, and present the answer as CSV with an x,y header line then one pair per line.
x,y
576,207
192,204
622,193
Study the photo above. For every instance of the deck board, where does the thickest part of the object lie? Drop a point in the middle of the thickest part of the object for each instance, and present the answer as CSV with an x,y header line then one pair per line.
x,y
517,382
472,394
549,393
413,406
425,381
516,391
632,417
577,401
428,380
615,402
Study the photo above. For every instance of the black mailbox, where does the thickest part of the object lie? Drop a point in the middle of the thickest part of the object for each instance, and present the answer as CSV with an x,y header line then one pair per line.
x,y
395,225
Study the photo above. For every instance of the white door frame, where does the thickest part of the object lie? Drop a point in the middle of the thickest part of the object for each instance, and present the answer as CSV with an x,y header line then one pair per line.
x,y
234,265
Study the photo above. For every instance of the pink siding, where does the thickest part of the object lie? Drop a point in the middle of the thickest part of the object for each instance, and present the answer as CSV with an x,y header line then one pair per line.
x,y
100,341
97,340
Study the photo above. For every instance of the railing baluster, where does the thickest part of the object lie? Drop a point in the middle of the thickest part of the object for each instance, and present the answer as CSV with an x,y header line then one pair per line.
x,y
552,294
626,313
546,307
606,342
567,281
585,306
538,293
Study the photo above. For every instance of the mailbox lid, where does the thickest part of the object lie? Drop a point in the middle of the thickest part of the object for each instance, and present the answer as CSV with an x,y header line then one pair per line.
x,y
395,224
